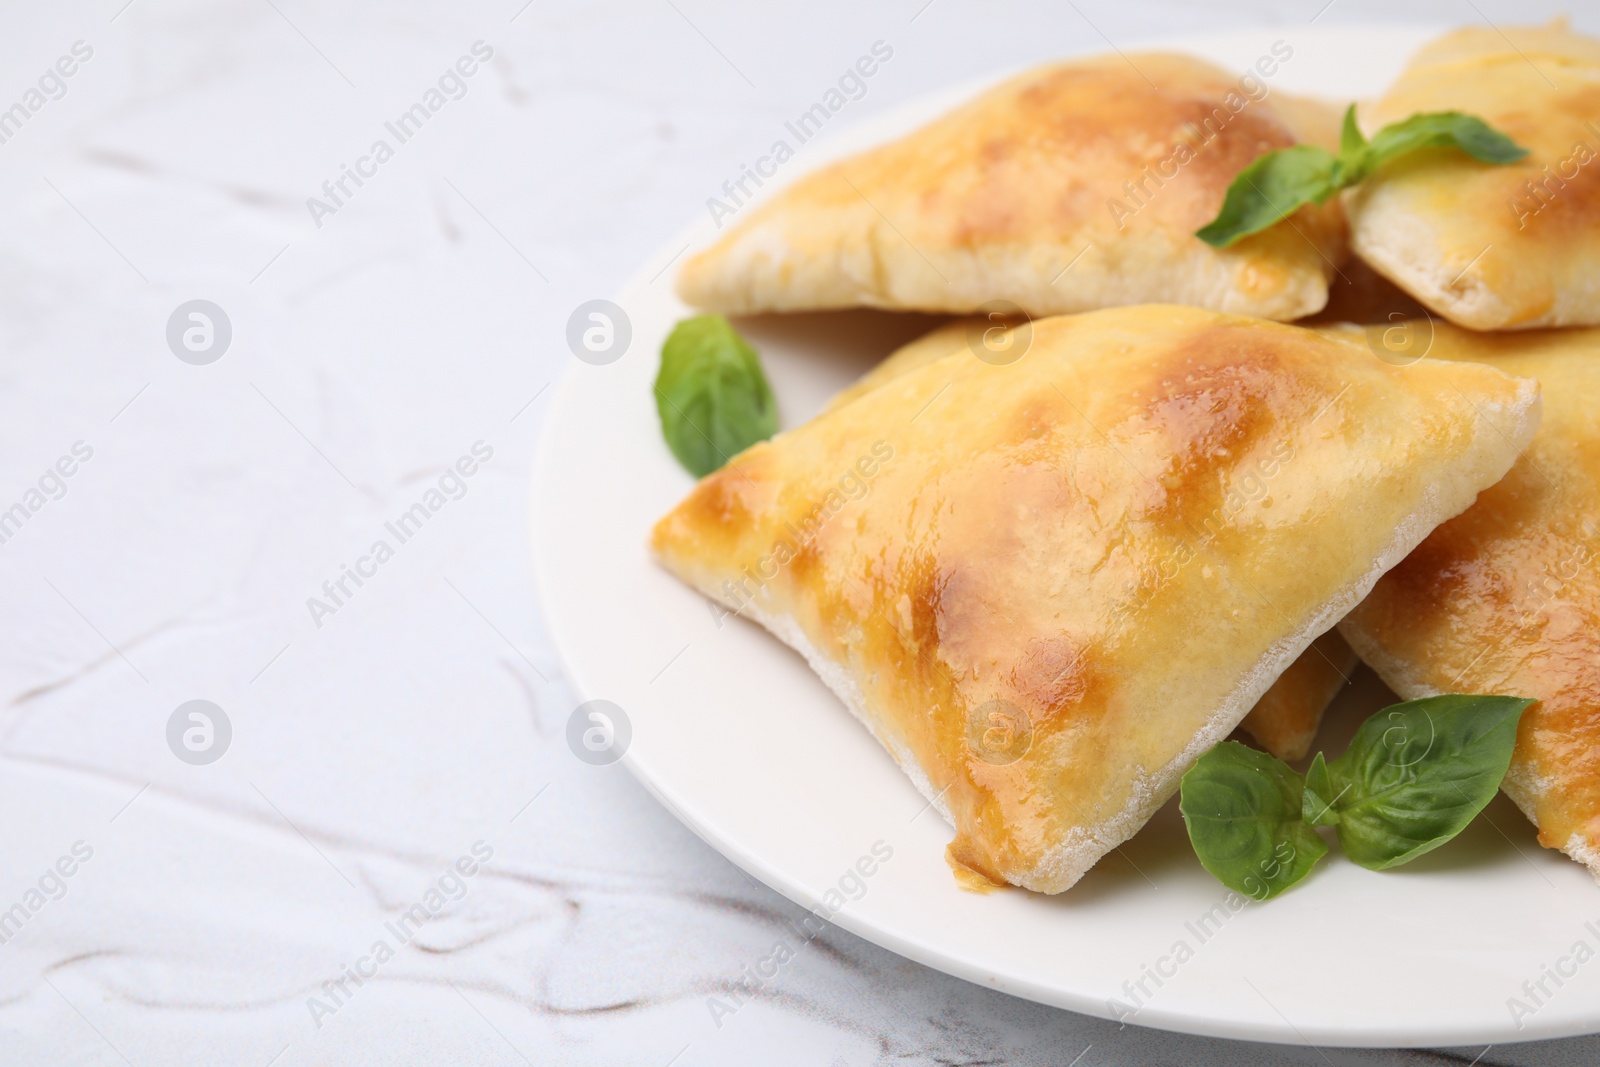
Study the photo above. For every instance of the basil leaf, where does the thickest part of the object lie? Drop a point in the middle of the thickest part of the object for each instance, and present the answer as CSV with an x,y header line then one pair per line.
x,y
1317,807
711,394
1270,189
1417,773
1277,184
1352,145
1440,129
1242,808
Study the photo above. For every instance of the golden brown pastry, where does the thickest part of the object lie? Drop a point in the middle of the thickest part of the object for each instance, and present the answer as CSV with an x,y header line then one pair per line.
x,y
1285,720
1494,247
1075,186
1506,598
1047,587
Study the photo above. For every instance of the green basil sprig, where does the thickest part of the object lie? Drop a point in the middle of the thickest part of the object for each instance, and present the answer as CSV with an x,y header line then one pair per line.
x,y
1414,776
711,394
1280,182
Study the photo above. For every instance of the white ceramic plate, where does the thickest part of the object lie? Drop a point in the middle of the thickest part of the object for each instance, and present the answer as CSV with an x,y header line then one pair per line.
x,y
737,737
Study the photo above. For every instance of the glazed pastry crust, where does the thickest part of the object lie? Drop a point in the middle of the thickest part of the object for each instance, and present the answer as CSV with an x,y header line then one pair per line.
x,y
1285,720
1010,196
1506,598
1118,541
1473,241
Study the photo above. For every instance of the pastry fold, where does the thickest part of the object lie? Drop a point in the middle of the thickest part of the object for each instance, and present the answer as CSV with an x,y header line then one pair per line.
x,y
1493,247
1048,587
1506,598
1075,186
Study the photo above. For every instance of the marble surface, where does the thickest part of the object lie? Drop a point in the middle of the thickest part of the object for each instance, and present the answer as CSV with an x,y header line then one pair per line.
x,y
409,731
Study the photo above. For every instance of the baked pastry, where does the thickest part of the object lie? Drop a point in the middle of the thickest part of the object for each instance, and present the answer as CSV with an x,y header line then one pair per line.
x,y
1506,599
1074,186
1493,247
1285,720
1049,586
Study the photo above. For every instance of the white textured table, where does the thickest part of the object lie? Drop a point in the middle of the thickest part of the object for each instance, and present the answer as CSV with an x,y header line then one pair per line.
x,y
179,529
